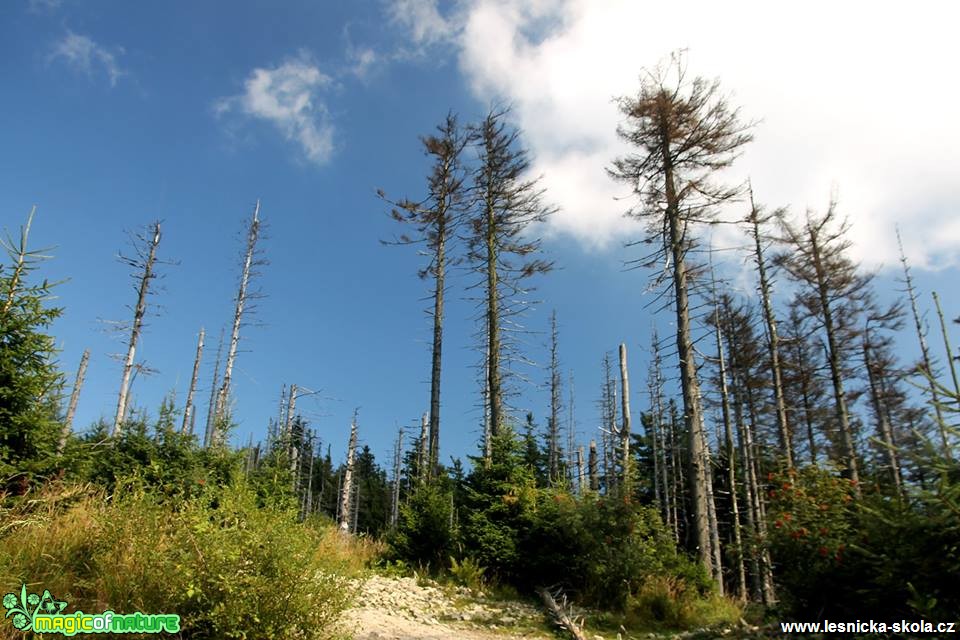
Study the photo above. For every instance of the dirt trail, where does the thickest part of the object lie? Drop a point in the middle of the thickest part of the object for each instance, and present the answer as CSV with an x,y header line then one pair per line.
x,y
401,609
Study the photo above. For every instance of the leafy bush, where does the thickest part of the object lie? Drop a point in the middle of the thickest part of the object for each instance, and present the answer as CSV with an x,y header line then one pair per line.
x,y
876,556
227,567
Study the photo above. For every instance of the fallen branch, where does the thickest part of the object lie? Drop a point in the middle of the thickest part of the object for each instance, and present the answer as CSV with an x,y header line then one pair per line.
x,y
561,616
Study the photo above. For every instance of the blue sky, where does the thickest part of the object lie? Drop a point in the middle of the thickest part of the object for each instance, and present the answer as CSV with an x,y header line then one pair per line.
x,y
115,114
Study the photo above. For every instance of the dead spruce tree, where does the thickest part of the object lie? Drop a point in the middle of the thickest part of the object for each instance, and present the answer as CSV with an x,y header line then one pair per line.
x,y
685,133
506,204
142,262
244,297
188,409
839,297
74,399
553,428
625,470
756,219
926,362
211,408
435,219
346,488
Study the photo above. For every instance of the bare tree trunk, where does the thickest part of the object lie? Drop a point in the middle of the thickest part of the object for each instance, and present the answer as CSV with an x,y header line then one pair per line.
x,y
580,474
345,491
292,447
625,428
572,435
946,345
395,492
883,421
308,500
731,465
74,398
592,467
436,355
924,350
188,408
211,410
494,389
223,396
423,451
138,314
833,354
355,514
553,444
773,341
690,386
487,424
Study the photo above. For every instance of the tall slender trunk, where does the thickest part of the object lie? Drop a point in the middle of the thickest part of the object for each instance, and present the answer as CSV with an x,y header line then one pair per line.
x,y
308,498
851,470
188,409
883,416
436,355
553,443
347,486
625,428
487,424
395,489
493,324
946,345
580,474
773,340
592,470
211,410
138,314
74,398
731,465
927,363
423,450
690,385
223,396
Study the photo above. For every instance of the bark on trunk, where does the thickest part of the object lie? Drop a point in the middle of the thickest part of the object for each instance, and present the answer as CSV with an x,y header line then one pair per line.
x,y
347,484
773,342
188,409
138,314
211,409
74,398
924,351
625,428
851,470
223,396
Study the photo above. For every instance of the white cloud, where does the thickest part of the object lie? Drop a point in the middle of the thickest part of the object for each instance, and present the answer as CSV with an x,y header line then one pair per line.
x,y
424,20
855,95
44,6
288,97
361,61
83,54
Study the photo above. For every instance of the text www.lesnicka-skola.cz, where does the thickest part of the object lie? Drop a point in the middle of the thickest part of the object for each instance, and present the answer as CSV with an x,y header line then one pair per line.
x,y
868,626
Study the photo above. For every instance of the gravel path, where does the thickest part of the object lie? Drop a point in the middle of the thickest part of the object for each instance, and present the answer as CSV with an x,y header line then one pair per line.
x,y
401,609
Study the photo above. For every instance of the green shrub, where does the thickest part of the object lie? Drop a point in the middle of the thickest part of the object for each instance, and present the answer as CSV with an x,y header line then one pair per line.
x,y
875,556
467,573
602,550
227,567
423,534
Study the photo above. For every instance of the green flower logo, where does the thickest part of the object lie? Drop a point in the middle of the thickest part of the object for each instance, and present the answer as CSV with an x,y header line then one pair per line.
x,y
20,622
22,609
